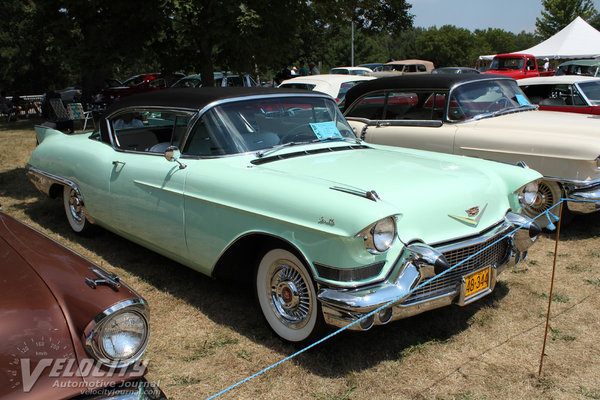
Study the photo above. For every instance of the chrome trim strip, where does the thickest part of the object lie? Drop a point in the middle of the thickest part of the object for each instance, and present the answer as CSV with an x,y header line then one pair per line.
x,y
44,180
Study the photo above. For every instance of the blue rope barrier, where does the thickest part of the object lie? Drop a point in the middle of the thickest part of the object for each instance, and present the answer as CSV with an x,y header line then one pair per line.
x,y
546,213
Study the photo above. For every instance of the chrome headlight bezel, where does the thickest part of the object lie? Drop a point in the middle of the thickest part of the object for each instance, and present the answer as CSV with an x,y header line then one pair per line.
x,y
528,193
380,236
97,332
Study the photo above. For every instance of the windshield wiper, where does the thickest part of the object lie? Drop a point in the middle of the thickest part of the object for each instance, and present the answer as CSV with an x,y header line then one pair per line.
x,y
337,138
514,109
262,153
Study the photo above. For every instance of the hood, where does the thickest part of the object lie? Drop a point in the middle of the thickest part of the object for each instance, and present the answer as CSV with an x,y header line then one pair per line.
x,y
33,329
543,133
427,190
48,302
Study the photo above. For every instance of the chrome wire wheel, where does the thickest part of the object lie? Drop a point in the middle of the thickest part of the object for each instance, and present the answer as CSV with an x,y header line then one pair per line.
x,y
286,295
74,210
549,194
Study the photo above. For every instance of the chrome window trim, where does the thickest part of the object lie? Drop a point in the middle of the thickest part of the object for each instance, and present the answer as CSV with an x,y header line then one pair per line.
x,y
190,112
459,84
216,103
581,93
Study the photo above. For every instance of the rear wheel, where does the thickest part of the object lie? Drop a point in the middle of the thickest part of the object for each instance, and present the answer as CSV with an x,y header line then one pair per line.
x,y
73,203
287,297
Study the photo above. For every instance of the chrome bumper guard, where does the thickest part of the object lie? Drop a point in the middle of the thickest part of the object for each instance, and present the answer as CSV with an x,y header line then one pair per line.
x,y
418,264
586,199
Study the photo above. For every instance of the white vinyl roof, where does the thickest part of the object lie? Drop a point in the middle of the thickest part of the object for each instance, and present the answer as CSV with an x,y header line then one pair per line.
x,y
576,40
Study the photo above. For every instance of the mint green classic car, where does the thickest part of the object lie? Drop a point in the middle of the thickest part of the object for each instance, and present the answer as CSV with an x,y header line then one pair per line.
x,y
272,185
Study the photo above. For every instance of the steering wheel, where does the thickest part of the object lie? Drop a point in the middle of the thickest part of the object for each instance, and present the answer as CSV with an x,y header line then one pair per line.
x,y
301,133
499,104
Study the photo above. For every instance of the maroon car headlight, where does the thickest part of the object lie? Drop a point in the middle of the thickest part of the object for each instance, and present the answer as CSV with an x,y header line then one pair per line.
x,y
119,335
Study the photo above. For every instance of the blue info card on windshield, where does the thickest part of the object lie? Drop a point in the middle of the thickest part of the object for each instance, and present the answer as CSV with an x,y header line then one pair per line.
x,y
325,130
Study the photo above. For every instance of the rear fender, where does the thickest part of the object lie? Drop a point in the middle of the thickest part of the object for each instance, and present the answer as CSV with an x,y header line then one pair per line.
x,y
42,132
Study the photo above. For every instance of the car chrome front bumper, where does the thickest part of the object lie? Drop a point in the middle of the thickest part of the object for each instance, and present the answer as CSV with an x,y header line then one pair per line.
x,y
586,199
419,282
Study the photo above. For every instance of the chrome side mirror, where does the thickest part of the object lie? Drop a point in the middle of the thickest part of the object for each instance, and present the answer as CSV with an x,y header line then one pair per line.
x,y
172,154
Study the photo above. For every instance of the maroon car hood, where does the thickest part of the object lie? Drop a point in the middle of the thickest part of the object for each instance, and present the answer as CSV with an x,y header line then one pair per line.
x,y
45,306
32,328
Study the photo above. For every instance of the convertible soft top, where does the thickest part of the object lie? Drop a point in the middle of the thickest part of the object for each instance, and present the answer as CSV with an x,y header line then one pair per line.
x,y
416,81
198,98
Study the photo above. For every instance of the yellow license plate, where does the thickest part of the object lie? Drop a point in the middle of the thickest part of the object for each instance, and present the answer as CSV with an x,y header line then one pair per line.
x,y
477,281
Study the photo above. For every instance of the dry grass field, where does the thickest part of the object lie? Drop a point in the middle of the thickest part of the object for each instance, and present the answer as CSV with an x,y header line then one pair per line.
x,y
208,335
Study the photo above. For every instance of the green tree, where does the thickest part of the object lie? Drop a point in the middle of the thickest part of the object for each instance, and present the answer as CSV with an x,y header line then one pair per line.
x,y
559,13
446,46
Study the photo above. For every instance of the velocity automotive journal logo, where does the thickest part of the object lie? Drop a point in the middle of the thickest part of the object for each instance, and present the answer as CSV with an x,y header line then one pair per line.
x,y
66,372
50,360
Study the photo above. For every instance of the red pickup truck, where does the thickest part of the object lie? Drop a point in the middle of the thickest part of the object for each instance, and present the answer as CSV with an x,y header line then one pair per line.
x,y
516,66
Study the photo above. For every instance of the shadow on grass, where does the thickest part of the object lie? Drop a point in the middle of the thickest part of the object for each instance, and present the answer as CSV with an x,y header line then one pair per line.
x,y
14,184
583,226
231,304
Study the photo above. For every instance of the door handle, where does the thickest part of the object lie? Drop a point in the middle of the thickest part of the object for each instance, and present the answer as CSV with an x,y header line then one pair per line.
x,y
116,163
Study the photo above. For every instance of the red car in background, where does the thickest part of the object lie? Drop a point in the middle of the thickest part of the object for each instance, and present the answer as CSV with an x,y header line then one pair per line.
x,y
135,84
566,93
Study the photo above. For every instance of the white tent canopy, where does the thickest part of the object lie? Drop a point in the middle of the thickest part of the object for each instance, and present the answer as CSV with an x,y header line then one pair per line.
x,y
576,40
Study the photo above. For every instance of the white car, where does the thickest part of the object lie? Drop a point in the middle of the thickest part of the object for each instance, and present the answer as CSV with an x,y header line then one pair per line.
x,y
363,71
334,85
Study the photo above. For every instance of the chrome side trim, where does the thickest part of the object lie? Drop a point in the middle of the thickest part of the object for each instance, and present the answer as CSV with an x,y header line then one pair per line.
x,y
43,180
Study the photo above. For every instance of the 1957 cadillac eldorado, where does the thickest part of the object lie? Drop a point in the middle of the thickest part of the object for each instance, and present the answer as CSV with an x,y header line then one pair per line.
x,y
272,185
489,117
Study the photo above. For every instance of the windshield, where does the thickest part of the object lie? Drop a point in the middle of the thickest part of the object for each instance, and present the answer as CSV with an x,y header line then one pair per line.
x,y
508,63
591,90
260,124
474,99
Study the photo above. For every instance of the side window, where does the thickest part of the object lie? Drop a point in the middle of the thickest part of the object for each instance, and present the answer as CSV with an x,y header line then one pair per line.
x,y
370,107
425,105
148,131
530,64
206,138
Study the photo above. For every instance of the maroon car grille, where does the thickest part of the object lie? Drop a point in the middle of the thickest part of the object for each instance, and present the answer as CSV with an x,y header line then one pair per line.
x,y
495,254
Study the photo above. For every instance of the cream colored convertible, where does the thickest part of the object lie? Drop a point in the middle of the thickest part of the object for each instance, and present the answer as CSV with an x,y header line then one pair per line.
x,y
487,117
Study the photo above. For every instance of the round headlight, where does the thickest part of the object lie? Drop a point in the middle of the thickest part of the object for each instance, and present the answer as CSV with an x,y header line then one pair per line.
x,y
529,194
119,335
384,233
123,336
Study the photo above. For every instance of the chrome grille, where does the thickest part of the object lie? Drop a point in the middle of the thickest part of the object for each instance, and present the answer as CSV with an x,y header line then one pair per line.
x,y
450,281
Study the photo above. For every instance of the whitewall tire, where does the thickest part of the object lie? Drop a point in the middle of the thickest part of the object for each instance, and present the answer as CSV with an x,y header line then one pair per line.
x,y
74,210
287,297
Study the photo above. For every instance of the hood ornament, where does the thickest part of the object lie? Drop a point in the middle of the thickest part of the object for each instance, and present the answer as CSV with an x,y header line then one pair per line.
x,y
473,217
104,278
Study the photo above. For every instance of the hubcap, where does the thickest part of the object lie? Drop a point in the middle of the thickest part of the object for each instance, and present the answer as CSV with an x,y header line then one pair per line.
x,y
289,295
75,206
545,199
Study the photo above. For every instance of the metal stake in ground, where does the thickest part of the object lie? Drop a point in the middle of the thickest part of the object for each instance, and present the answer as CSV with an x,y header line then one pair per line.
x,y
551,287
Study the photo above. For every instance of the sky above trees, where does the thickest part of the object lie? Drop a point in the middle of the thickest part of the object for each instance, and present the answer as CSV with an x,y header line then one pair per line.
x,y
510,15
